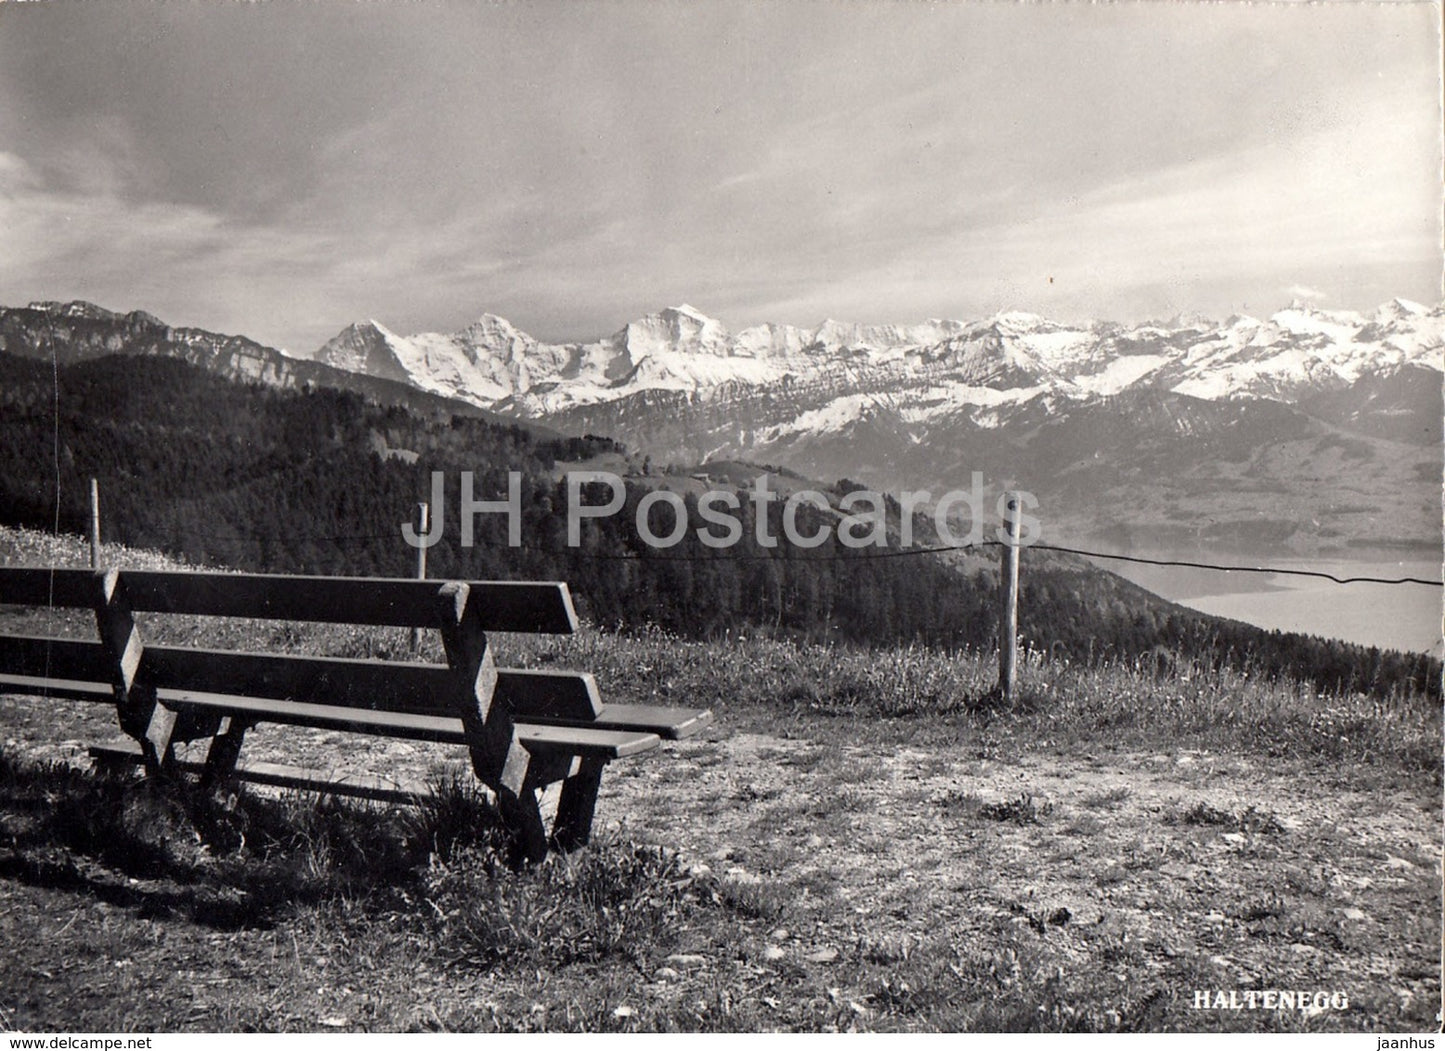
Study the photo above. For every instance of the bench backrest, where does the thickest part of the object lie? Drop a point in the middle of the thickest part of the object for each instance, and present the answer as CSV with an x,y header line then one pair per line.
x,y
397,686
520,606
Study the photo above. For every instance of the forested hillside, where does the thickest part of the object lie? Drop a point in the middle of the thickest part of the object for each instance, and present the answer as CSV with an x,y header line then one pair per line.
x,y
320,481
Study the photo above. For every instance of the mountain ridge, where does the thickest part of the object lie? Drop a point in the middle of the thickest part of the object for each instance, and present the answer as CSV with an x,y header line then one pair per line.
x,y
79,330
1292,353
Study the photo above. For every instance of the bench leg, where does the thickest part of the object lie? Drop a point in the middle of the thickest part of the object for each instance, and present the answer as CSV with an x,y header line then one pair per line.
x,y
523,816
155,740
111,766
141,715
573,826
222,755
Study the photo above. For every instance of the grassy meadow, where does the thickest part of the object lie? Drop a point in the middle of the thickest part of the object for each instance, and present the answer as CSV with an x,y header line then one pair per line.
x,y
865,839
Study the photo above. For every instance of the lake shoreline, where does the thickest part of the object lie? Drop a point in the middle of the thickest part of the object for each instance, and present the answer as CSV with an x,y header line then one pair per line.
x,y
1405,617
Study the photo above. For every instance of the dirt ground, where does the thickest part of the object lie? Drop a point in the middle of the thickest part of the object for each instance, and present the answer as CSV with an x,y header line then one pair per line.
x,y
1170,872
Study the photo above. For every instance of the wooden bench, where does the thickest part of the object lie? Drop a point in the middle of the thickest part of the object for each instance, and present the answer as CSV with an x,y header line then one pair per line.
x,y
524,730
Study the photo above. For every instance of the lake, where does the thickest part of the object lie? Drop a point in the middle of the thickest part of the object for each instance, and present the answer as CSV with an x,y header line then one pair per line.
x,y
1399,616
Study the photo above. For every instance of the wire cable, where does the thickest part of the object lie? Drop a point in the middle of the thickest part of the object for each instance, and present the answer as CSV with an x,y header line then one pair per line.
x,y
1244,569
861,556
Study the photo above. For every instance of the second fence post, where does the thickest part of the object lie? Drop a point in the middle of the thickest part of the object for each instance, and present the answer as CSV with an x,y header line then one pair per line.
x,y
1008,609
423,515
94,524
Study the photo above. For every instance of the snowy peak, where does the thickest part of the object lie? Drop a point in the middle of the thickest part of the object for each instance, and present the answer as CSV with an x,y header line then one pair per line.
x,y
1399,309
837,336
491,330
675,330
367,347
772,341
493,336
1019,323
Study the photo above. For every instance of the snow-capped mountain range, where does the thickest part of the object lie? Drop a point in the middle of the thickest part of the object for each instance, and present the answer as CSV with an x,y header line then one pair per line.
x,y
1306,432
986,367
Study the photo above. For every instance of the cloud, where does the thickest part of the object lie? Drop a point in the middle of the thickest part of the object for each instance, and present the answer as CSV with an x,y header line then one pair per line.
x,y
1306,294
1351,197
158,255
875,172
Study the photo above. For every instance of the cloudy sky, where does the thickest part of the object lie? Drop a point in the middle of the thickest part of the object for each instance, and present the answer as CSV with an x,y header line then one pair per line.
x,y
281,170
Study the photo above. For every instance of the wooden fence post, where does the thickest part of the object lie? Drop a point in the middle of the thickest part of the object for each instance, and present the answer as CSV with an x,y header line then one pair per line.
x,y
1008,611
423,516
94,524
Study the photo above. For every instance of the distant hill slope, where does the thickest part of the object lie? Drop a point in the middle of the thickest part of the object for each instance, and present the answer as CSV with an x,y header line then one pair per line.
x,y
320,480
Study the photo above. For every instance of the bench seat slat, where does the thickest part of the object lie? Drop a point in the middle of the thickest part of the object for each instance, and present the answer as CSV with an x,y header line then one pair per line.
x,y
33,655
569,740
62,588
49,686
396,686
671,724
